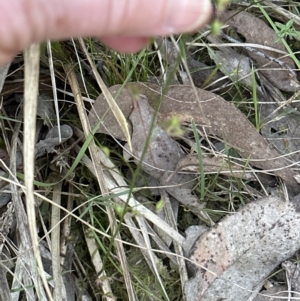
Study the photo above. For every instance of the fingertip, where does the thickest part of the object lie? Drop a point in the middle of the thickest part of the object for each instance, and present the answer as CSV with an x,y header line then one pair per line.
x,y
204,16
5,58
125,44
192,15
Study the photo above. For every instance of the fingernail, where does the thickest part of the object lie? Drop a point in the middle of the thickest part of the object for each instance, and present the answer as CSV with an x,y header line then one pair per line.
x,y
188,15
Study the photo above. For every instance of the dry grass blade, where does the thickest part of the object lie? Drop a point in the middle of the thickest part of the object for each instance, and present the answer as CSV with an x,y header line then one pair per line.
x,y
67,230
32,63
152,257
23,278
110,100
100,178
178,248
25,273
5,291
54,89
102,278
142,240
5,224
55,244
132,202
3,73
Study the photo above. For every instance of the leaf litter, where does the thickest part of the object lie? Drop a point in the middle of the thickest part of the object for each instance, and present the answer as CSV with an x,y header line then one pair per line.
x,y
276,66
218,117
233,258
231,265
272,220
236,255
161,156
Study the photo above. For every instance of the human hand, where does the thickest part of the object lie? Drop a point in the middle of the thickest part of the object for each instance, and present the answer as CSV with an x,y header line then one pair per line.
x,y
124,25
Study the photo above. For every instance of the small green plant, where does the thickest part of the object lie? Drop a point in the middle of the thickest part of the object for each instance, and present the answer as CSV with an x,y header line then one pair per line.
x,y
286,30
216,26
174,129
255,100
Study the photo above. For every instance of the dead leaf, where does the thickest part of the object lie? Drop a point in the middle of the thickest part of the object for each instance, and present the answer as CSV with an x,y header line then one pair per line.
x,y
52,140
281,129
161,156
45,109
220,118
192,233
118,115
215,164
293,273
202,74
236,66
102,111
273,294
233,258
258,32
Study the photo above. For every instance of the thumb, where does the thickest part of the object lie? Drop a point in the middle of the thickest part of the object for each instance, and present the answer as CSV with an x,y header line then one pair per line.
x,y
23,22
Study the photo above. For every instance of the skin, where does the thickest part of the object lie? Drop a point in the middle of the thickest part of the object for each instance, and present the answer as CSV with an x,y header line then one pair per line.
x,y
124,25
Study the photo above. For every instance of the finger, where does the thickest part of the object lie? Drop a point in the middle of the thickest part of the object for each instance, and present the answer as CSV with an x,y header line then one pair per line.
x,y
125,44
25,21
